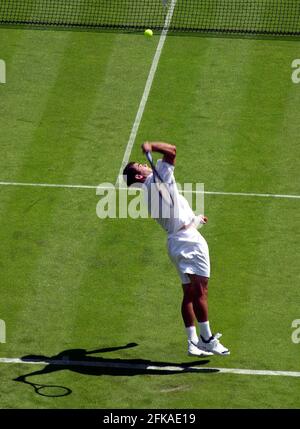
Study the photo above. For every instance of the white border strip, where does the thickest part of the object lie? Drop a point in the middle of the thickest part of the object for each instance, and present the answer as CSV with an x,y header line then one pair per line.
x,y
146,93
237,194
145,367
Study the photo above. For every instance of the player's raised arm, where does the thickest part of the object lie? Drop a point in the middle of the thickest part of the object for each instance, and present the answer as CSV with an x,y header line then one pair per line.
x,y
168,150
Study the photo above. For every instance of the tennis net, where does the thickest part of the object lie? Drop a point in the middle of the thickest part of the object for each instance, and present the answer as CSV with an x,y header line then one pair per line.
x,y
274,17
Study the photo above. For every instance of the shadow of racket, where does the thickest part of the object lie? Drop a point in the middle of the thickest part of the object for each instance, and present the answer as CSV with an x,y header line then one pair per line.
x,y
49,390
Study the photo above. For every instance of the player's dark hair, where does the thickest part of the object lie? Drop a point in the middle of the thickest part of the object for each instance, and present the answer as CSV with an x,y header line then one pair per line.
x,y
129,173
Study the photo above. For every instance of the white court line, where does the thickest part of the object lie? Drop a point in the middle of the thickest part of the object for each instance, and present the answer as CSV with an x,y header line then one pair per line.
x,y
250,194
145,367
237,194
146,93
48,185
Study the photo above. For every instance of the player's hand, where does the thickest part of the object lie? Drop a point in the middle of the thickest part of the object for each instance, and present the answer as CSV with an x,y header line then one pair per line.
x,y
146,147
203,219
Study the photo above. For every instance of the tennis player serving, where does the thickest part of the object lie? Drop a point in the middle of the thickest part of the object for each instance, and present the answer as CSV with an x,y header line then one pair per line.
x,y
187,248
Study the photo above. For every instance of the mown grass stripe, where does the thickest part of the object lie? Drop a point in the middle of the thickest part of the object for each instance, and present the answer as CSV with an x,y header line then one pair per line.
x,y
146,92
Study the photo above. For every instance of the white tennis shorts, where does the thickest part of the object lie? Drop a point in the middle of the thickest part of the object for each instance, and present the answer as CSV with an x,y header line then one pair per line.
x,y
188,250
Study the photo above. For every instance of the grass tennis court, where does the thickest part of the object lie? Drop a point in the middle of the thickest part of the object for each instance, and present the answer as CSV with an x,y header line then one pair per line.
x,y
71,281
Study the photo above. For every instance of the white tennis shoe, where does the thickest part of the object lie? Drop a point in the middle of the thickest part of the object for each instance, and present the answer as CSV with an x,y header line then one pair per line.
x,y
213,345
194,350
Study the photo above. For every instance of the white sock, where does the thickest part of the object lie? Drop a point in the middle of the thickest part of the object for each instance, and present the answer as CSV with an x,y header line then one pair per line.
x,y
192,334
205,331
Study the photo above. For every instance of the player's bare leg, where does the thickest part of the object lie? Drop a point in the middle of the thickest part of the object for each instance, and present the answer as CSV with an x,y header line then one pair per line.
x,y
199,284
187,308
189,318
207,341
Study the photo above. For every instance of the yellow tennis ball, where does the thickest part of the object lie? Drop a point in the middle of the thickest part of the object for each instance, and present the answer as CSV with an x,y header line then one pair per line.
x,y
148,33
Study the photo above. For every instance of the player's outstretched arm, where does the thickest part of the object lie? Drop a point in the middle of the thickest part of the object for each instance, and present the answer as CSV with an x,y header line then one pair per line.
x,y
168,150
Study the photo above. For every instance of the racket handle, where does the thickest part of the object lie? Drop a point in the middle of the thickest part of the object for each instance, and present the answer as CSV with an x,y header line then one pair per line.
x,y
149,157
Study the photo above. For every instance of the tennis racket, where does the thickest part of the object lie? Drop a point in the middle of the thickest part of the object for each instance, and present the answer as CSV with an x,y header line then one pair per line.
x,y
162,187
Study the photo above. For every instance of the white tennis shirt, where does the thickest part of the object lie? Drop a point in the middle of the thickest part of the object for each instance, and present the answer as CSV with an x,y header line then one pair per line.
x,y
171,217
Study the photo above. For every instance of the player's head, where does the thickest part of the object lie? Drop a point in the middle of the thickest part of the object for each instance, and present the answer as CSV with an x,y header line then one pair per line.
x,y
136,173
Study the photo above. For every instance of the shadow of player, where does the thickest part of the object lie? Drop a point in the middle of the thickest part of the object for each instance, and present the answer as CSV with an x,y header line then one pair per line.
x,y
82,361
